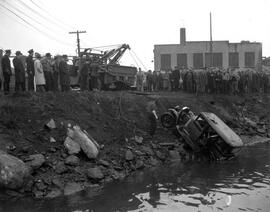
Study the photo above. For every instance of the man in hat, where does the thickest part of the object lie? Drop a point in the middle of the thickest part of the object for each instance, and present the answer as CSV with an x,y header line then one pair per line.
x,y
30,70
55,75
48,71
6,67
39,74
64,74
19,72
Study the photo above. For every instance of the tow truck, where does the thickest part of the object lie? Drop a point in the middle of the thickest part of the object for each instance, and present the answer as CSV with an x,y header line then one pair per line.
x,y
104,69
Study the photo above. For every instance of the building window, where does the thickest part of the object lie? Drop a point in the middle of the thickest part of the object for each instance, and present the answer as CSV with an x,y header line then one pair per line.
x,y
182,60
217,60
249,59
165,62
198,60
233,59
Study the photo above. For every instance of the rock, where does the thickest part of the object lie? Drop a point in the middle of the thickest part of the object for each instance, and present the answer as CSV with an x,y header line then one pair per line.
x,y
261,130
117,175
138,139
181,149
13,172
40,186
58,183
160,155
38,194
95,173
139,153
86,142
35,161
153,162
25,149
139,164
52,149
60,168
129,155
51,124
174,155
29,185
52,140
250,122
104,163
148,150
11,147
72,146
71,188
72,160
54,193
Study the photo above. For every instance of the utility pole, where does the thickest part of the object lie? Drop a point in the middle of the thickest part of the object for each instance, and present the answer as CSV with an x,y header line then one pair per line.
x,y
78,40
211,42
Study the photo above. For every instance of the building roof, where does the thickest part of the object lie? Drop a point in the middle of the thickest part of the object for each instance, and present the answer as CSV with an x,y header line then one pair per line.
x,y
215,41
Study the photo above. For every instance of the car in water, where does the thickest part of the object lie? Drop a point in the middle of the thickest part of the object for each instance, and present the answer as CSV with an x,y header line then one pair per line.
x,y
205,133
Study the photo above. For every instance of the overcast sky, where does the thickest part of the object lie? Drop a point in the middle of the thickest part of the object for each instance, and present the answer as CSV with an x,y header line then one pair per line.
x,y
139,23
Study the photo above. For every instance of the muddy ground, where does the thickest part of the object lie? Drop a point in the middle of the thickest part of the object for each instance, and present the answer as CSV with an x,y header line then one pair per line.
x,y
118,121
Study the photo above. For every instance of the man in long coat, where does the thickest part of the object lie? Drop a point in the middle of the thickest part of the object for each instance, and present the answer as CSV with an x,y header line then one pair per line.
x,y
19,72
6,67
39,74
30,70
64,74
48,71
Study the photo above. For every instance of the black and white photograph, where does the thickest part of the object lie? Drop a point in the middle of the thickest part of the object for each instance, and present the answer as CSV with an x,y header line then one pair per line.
x,y
134,106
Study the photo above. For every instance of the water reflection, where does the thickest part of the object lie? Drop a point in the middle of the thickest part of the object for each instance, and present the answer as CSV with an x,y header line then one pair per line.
x,y
242,184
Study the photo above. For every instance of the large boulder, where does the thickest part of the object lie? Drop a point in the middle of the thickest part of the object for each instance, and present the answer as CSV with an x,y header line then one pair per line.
x,y
95,173
86,142
71,188
13,171
174,155
35,161
129,155
72,146
60,168
72,160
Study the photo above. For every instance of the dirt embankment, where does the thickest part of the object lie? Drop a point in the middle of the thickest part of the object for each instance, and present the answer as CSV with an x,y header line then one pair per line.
x,y
119,122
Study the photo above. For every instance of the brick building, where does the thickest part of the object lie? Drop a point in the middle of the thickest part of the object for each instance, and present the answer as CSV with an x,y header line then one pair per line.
x,y
196,54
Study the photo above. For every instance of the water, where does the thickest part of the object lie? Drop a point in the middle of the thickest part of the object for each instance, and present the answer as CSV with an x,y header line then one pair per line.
x,y
237,185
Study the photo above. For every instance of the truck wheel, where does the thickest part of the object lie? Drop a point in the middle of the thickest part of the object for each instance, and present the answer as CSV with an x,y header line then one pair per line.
x,y
168,120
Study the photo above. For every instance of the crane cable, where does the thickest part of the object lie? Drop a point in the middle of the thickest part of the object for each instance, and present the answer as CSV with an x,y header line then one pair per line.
x,y
134,59
139,60
44,33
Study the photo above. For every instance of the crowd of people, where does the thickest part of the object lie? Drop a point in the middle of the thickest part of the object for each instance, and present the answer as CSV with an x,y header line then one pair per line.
x,y
209,80
43,73
49,73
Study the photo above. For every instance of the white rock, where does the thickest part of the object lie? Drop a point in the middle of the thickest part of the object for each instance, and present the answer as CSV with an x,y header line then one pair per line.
x,y
13,171
72,146
88,145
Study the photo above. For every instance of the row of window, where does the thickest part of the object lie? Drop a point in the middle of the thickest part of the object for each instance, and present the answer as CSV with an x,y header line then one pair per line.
x,y
216,59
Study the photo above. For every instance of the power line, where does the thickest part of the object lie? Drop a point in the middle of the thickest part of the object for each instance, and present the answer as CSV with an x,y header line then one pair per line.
x,y
20,11
42,16
44,33
46,11
16,20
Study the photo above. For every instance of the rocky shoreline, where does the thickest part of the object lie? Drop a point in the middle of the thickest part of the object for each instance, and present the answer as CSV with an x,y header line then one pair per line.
x,y
43,166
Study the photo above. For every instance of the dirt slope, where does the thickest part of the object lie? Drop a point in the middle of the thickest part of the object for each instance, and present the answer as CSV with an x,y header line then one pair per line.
x,y
113,119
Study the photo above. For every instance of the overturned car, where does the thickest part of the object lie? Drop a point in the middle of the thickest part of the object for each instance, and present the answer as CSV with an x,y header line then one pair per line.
x,y
204,133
